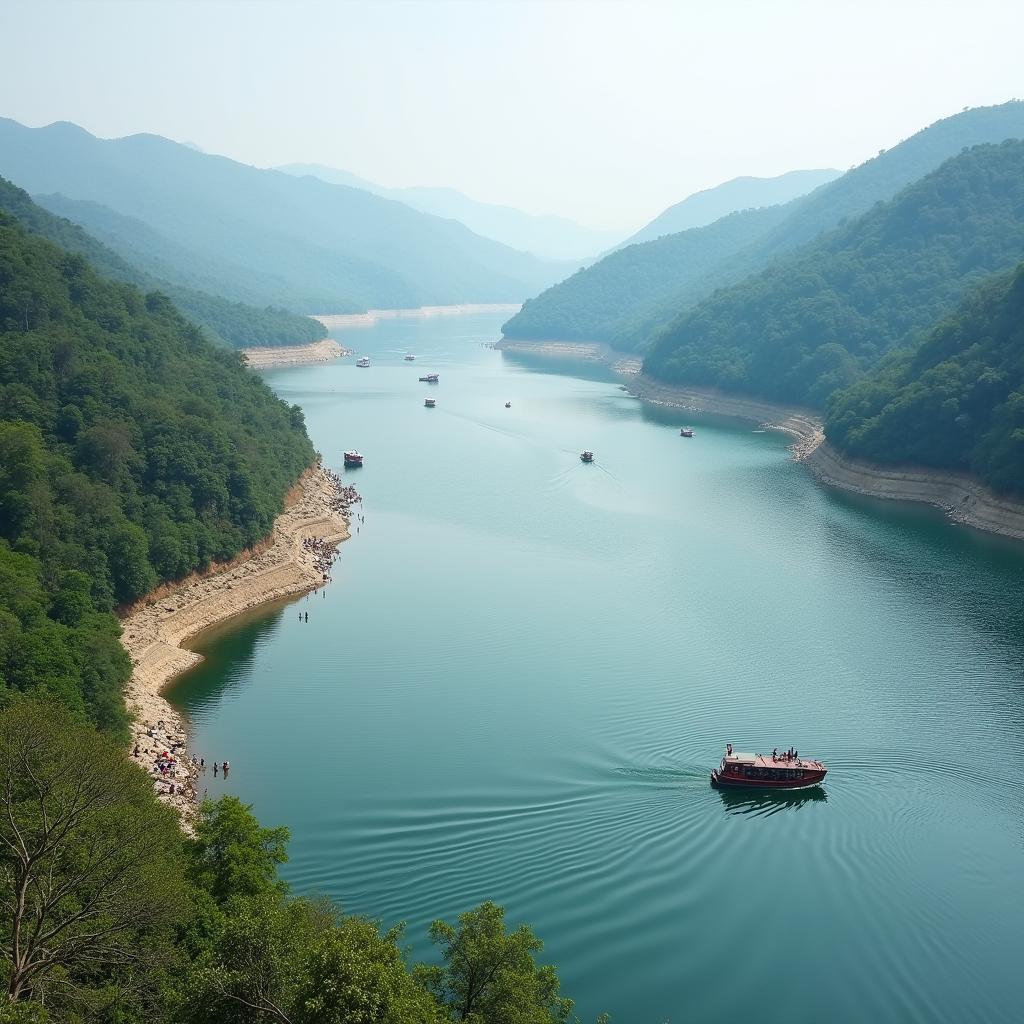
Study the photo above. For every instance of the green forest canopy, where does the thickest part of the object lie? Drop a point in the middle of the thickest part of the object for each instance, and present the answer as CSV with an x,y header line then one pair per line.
x,y
953,401
814,322
132,451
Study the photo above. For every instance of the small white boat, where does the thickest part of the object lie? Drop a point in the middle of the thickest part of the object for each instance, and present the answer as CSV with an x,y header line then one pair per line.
x,y
429,402
365,361
430,378
686,431
408,357
586,455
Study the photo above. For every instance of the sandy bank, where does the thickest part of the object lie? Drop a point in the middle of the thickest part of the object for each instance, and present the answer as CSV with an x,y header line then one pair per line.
x,y
294,355
154,630
333,321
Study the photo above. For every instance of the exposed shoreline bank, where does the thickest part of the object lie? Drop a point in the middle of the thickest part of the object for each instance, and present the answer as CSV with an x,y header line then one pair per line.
x,y
333,321
587,351
963,499
294,355
153,632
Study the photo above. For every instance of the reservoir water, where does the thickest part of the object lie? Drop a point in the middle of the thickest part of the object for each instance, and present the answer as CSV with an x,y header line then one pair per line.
x,y
525,668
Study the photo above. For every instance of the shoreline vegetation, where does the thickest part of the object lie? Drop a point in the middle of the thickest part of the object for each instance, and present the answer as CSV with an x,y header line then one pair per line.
x,y
963,500
154,630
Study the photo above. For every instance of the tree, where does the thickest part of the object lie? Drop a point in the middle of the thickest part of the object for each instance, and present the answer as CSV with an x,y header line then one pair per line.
x,y
90,863
490,975
234,855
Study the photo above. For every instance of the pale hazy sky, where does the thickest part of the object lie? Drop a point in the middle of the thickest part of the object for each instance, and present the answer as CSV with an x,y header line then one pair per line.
x,y
602,111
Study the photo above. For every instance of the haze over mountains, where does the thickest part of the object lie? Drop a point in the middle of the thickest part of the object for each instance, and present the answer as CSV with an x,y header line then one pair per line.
x,y
627,298
544,235
745,193
302,243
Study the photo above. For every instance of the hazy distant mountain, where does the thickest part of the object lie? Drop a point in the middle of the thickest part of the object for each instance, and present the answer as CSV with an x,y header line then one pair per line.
x,y
310,245
226,322
629,296
738,194
546,236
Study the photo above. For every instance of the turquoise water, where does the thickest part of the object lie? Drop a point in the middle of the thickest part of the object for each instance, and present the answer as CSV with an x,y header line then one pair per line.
x,y
526,666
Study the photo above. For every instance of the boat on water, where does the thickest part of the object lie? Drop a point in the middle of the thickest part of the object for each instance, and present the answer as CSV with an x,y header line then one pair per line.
x,y
508,405
586,455
365,361
686,431
429,402
767,771
430,378
408,357
353,459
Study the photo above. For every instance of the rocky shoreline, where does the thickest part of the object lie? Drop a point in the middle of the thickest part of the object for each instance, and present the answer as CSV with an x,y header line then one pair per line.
x,y
296,557
963,499
294,355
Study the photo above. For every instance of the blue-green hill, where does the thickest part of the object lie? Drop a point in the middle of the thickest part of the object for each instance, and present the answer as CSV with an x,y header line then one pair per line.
x,y
312,246
815,321
628,297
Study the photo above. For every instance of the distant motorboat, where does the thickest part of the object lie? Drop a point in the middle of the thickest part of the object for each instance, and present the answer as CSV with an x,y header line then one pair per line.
x,y
365,361
508,405
586,456
353,459
409,357
429,402
686,431
431,378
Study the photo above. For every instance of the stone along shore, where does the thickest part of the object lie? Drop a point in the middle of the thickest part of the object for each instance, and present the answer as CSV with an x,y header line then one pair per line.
x,y
294,355
296,557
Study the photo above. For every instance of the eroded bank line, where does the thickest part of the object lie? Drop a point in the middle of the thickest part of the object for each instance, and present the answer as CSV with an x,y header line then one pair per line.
x,y
296,557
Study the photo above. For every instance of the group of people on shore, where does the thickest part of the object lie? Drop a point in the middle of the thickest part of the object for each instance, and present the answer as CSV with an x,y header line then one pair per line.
x,y
172,774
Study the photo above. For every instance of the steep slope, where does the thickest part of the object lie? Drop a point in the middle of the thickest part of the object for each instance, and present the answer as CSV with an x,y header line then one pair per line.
x,y
328,247
643,314
227,323
953,401
813,322
738,194
546,236
614,300
131,451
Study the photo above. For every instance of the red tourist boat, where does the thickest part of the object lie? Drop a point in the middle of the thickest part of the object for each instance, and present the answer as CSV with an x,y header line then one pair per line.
x,y
353,459
767,771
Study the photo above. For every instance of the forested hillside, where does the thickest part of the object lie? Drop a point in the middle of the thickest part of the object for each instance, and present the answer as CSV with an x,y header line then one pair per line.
x,y
131,451
954,401
813,323
744,193
307,245
643,310
228,323
617,298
